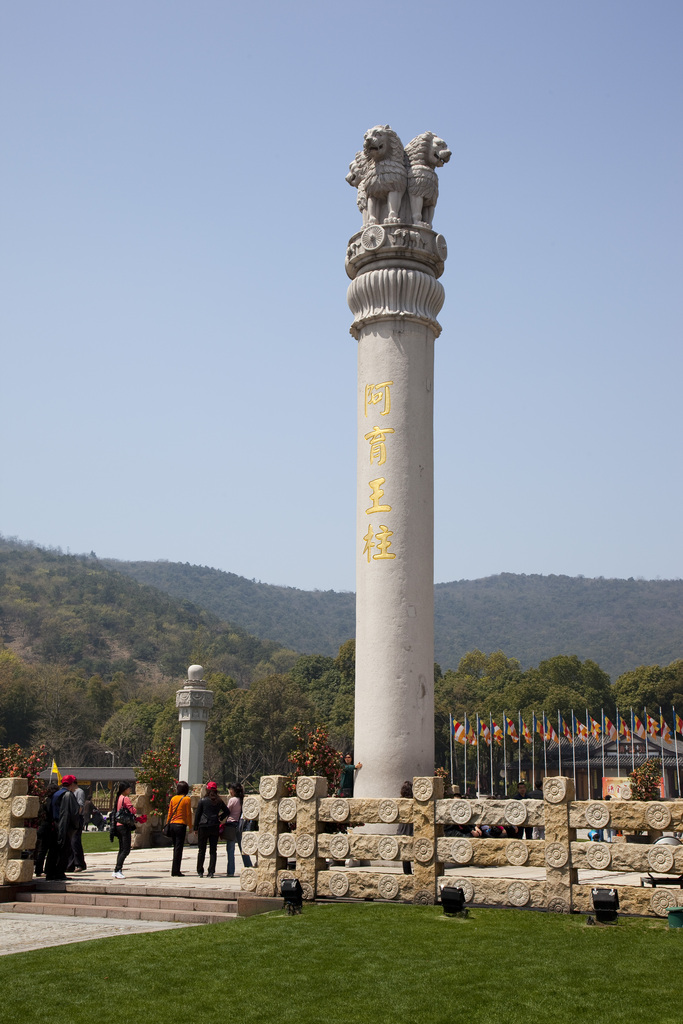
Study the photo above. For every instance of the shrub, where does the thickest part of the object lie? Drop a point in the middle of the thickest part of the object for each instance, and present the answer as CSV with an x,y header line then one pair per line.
x,y
645,779
158,769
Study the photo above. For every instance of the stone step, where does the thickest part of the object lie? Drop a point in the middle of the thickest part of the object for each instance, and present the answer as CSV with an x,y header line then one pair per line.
x,y
177,915
204,905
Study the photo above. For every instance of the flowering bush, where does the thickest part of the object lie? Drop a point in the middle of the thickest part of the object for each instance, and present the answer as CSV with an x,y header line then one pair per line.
x,y
16,763
158,769
645,779
314,755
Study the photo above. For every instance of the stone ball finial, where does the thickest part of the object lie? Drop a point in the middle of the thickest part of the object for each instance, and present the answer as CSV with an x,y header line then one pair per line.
x,y
195,673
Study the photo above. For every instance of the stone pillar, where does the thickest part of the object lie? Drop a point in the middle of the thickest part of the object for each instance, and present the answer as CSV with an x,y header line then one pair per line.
x,y
560,874
394,263
194,702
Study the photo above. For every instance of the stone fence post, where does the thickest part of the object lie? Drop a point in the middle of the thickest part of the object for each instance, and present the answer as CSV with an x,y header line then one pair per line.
x,y
560,875
426,867
15,805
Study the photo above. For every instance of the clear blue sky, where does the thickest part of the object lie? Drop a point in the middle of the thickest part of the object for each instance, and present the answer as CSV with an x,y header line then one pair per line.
x,y
178,380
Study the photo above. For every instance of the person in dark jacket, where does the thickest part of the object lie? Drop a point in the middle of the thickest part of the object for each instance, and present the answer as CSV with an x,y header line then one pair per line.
x,y
44,830
65,816
406,828
211,811
347,777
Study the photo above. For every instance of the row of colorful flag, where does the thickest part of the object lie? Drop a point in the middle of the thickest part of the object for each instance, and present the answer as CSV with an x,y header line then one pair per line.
x,y
627,728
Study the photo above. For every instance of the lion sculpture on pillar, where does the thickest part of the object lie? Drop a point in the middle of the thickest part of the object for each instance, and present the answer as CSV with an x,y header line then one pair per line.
x,y
424,153
358,168
386,176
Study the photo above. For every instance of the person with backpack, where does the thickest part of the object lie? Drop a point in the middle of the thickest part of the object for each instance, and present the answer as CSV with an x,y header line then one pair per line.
x,y
210,812
122,825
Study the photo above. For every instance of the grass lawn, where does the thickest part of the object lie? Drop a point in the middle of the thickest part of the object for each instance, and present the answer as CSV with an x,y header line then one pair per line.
x,y
359,964
96,842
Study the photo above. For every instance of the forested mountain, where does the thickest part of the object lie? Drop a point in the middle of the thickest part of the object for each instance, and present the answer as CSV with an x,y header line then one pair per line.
x,y
74,611
619,624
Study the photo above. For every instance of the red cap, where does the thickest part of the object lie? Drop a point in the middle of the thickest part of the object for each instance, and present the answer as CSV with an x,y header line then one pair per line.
x,y
210,785
68,780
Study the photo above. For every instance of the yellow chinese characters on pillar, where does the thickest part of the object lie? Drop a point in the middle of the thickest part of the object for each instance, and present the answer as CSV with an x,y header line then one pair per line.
x,y
378,448
379,393
381,542
376,495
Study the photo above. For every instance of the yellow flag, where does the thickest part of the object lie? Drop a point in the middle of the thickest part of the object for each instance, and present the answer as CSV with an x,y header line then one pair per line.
x,y
55,771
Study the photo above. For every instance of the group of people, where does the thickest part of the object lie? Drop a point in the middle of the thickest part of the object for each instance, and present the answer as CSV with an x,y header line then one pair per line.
x,y
58,841
213,820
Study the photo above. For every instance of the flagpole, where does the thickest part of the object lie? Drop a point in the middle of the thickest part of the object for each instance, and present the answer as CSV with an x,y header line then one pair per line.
x,y
450,732
647,752
545,744
478,737
633,742
618,742
467,743
559,742
574,748
491,748
519,770
505,756
678,770
588,754
602,740
533,748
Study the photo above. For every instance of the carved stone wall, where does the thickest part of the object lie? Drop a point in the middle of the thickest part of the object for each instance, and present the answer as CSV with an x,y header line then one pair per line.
x,y
312,829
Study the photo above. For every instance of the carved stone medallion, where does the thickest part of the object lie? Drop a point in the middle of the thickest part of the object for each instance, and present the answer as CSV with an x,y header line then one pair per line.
x,y
305,845
558,906
461,811
467,888
554,790
305,788
339,884
4,838
518,894
25,806
251,808
286,845
22,838
423,850
515,812
268,787
599,855
339,809
462,851
387,848
661,901
308,891
388,887
556,855
265,889
423,897
387,810
13,870
373,237
250,843
441,247
6,786
287,808
597,815
339,846
423,789
660,858
625,791
658,816
266,843
516,852
249,879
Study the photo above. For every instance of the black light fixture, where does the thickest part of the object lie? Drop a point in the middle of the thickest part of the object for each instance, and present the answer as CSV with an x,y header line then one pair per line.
x,y
605,905
453,901
292,894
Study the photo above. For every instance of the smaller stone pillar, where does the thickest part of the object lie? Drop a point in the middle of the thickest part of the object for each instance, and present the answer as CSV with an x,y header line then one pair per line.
x,y
560,874
426,867
194,702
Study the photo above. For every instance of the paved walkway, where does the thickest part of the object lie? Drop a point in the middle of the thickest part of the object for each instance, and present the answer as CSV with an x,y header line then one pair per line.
x,y
22,932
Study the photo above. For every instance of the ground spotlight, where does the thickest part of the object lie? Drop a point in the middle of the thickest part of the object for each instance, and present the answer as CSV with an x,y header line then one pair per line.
x,y
453,901
605,905
292,894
